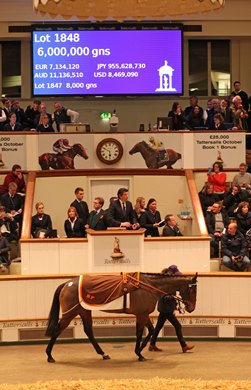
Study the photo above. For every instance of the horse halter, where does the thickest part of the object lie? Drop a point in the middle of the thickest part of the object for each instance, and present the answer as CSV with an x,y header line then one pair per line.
x,y
179,300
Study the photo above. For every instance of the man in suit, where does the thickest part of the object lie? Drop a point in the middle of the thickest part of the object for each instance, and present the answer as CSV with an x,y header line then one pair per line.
x,y
97,218
121,213
171,228
13,204
80,205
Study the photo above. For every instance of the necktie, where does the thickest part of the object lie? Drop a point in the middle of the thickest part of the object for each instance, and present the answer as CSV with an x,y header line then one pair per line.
x,y
94,220
124,208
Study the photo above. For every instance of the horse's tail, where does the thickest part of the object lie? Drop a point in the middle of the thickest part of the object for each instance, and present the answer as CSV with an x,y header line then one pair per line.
x,y
54,312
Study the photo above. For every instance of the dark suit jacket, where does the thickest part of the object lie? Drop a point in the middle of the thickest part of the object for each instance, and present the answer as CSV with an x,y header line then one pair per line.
x,y
100,223
171,232
82,210
18,127
147,220
116,215
78,229
14,203
37,224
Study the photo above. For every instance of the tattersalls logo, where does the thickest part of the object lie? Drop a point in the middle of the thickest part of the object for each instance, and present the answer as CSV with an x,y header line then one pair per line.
x,y
117,256
166,78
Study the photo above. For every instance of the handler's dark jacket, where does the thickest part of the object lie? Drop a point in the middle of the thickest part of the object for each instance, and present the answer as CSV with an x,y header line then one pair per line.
x,y
167,304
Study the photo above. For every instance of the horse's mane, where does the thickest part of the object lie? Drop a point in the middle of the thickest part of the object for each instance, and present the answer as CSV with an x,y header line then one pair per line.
x,y
165,275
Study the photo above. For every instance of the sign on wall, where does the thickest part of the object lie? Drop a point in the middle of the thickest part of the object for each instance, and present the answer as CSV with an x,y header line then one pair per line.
x,y
12,151
230,147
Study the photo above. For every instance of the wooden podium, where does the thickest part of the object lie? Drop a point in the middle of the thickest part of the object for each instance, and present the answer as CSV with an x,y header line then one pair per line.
x,y
115,250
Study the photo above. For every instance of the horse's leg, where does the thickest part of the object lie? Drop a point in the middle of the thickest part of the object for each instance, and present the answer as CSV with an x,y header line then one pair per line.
x,y
150,328
63,323
140,324
86,317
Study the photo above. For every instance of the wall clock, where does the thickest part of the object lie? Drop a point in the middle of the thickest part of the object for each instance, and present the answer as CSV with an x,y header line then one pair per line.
x,y
109,151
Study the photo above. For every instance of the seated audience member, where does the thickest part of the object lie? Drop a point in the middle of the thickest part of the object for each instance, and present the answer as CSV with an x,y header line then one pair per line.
x,y
74,226
4,251
195,119
139,207
232,199
41,113
12,124
240,115
41,225
179,120
166,307
208,198
171,228
218,178
31,113
121,213
212,112
218,122
15,107
234,249
217,221
243,218
151,219
193,101
15,176
8,225
44,125
243,178
97,219
80,205
13,203
2,119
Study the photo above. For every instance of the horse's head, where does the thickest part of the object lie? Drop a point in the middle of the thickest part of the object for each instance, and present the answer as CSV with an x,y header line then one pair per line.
x,y
80,150
135,149
188,292
139,147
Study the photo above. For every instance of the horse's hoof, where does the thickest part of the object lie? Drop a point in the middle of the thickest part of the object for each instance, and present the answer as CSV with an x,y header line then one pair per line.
x,y
50,359
106,357
141,359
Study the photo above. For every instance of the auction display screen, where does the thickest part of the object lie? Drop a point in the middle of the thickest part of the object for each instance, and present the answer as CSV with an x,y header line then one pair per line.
x,y
107,62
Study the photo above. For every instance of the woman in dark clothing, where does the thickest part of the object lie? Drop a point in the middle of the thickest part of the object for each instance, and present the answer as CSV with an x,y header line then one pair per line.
x,y
232,199
179,120
139,207
44,125
166,307
208,198
74,226
150,219
195,119
41,225
243,218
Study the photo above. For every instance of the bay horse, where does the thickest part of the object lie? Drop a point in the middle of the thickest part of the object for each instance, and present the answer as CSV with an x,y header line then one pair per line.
x,y
64,160
149,287
151,156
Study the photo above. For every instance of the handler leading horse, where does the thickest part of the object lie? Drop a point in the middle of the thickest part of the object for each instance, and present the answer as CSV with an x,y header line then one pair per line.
x,y
147,289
